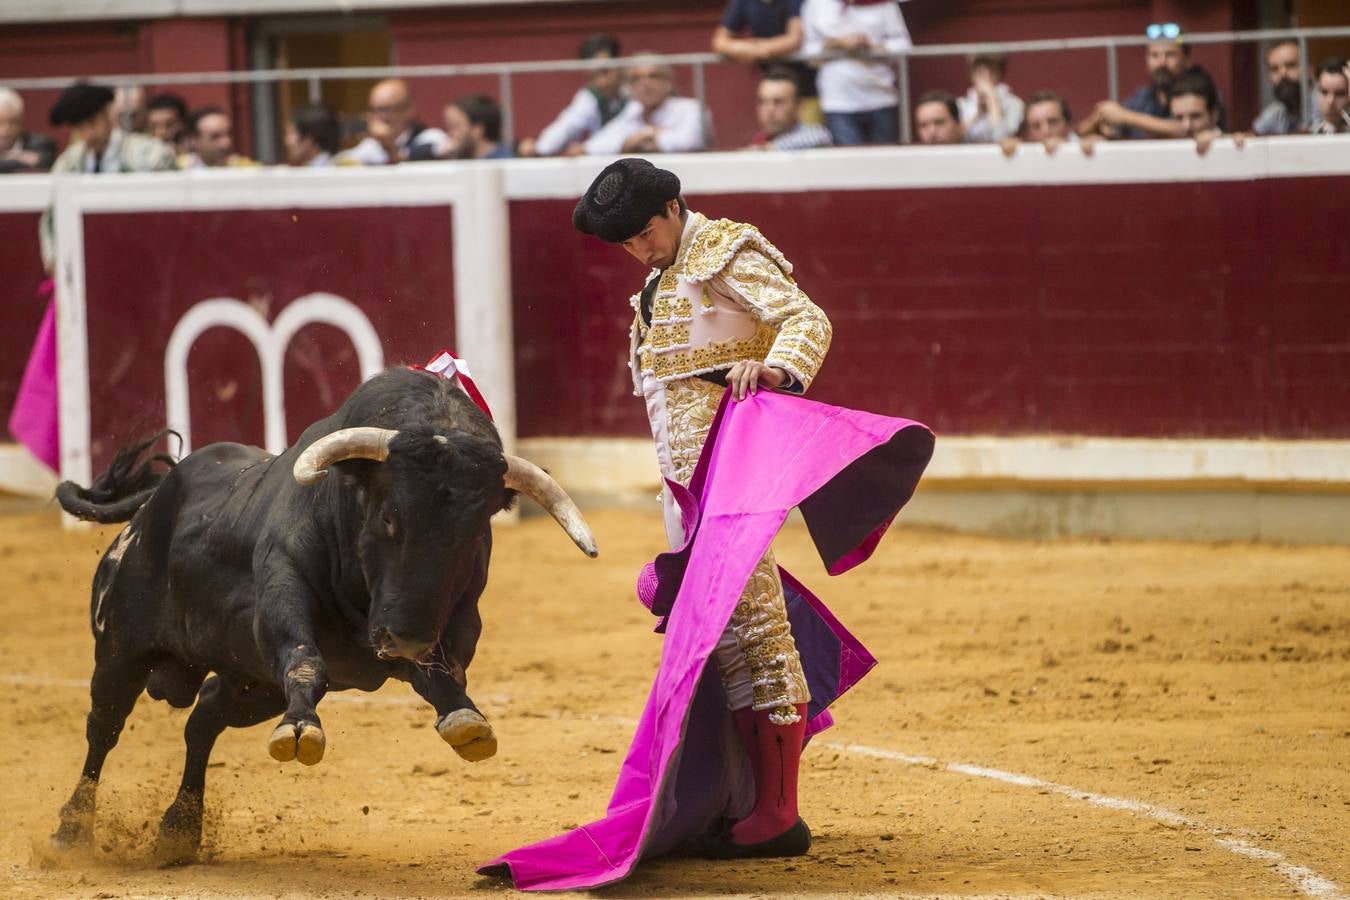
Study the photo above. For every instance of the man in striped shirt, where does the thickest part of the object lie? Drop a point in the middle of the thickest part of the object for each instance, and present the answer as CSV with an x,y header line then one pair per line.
x,y
777,103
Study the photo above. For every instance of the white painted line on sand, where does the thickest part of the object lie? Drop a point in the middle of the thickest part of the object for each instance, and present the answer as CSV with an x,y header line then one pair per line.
x,y
1303,879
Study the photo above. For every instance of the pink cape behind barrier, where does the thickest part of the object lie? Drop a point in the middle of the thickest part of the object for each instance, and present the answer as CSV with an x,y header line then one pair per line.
x,y
850,473
34,419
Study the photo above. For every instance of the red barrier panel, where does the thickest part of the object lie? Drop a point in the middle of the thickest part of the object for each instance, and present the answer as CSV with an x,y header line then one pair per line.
x,y
1146,310
1143,309
145,271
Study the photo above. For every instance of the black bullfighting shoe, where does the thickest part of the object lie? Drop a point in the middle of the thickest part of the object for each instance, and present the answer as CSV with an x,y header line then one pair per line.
x,y
796,841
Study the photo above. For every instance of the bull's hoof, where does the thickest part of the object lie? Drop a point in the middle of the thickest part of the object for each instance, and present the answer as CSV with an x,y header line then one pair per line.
x,y
469,733
304,742
72,835
180,832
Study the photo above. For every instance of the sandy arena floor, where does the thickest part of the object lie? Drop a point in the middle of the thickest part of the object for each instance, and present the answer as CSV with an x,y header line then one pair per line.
x,y
1049,719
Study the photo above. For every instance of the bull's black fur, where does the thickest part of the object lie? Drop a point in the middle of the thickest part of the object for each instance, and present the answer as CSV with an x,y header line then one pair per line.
x,y
285,591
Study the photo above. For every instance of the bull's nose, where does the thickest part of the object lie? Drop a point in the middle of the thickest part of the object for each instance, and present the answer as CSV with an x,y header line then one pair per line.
x,y
391,646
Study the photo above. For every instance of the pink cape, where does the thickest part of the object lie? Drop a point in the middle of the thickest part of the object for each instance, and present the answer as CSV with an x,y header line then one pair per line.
x,y
34,418
850,473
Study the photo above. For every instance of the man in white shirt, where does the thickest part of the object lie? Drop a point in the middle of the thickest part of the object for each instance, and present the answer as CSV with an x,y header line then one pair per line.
x,y
653,121
990,111
858,96
393,133
592,107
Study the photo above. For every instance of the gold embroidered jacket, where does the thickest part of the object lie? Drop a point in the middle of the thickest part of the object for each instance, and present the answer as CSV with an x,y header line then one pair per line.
x,y
728,297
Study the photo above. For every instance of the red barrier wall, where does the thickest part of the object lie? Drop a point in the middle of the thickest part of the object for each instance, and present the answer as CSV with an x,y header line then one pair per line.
x,y
395,264
1188,309
1145,310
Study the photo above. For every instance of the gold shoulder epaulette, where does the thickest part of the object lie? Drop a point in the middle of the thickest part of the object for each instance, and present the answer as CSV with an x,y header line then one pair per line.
x,y
718,242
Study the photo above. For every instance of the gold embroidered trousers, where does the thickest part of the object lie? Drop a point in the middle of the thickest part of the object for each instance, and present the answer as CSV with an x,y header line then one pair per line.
x,y
757,656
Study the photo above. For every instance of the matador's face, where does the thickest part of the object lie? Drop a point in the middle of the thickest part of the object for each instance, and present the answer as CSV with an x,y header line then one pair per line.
x,y
656,244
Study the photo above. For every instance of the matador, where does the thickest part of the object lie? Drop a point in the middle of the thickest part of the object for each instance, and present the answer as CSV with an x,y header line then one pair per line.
x,y
720,310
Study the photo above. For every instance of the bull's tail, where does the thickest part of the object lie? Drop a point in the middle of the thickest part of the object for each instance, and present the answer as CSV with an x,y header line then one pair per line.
x,y
124,488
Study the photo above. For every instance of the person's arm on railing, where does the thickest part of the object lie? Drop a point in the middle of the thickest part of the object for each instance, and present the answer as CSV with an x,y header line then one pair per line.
x,y
1115,116
753,50
572,124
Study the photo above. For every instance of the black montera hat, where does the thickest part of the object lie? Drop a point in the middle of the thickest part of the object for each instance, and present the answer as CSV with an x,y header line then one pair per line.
x,y
79,102
623,198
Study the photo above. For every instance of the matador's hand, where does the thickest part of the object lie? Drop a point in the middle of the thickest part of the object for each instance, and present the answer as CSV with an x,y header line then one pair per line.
x,y
746,377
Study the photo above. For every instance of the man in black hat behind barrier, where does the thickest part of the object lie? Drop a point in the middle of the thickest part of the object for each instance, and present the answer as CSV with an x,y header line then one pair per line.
x,y
98,145
720,310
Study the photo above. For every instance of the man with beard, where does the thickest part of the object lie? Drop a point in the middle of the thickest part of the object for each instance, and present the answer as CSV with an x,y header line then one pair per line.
x,y
1145,113
1284,68
473,128
1333,97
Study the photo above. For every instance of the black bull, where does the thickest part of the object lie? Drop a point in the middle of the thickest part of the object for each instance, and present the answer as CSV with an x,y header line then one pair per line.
x,y
287,584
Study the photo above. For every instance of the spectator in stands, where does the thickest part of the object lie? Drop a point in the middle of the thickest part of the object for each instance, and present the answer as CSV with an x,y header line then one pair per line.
x,y
166,118
857,95
990,111
1194,105
937,120
653,120
129,110
393,133
761,32
97,145
1333,97
1284,68
311,137
19,150
591,108
1145,113
777,105
212,136
1047,120
473,126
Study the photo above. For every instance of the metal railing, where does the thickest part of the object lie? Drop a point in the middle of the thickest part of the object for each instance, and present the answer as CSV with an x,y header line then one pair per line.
x,y
505,71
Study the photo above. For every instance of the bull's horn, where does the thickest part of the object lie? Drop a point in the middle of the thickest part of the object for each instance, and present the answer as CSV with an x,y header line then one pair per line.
x,y
349,443
532,481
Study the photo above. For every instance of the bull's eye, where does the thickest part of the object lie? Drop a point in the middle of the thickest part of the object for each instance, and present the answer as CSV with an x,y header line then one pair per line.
x,y
388,521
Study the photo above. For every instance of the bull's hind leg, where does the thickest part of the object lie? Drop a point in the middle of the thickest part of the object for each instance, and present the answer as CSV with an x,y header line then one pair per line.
x,y
224,702
118,680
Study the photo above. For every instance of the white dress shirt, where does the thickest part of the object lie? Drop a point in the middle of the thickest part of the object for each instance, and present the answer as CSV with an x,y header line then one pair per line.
x,y
854,85
370,152
980,128
578,121
680,124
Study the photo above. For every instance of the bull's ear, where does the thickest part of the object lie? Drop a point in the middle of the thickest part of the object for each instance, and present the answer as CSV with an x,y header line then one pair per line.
x,y
509,500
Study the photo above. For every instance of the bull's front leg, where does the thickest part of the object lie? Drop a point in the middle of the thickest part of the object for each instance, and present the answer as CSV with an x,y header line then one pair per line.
x,y
458,721
285,630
